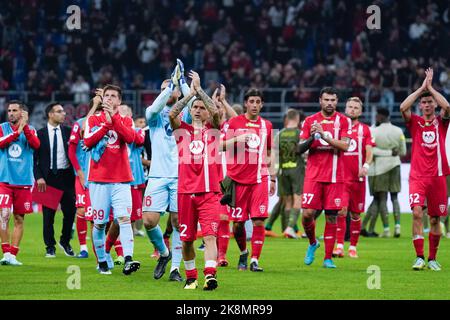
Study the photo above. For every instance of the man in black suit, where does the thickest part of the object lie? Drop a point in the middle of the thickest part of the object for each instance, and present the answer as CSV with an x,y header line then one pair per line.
x,y
52,167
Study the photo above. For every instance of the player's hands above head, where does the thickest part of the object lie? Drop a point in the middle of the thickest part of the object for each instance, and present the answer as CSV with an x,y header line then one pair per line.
x,y
181,70
222,92
429,78
195,84
175,77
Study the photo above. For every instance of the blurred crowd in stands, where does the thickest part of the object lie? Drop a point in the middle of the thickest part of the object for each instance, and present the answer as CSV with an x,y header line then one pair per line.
x,y
277,44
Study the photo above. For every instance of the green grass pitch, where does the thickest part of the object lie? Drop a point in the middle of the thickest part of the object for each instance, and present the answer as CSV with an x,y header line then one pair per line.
x,y
285,276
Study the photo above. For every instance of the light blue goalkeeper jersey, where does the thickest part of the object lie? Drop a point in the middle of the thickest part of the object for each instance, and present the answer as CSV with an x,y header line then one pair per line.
x,y
164,148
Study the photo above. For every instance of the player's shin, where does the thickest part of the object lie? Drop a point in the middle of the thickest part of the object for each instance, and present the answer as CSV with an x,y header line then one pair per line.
x,y
156,237
126,236
81,228
98,235
340,231
257,240
355,230
330,236
223,238
240,236
309,224
176,250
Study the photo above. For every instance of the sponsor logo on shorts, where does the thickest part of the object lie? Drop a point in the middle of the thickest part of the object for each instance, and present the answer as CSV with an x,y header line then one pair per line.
x,y
214,226
15,150
262,209
27,205
442,208
196,146
337,201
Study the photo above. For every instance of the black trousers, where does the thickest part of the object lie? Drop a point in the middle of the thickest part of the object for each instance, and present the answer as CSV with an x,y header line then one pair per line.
x,y
64,180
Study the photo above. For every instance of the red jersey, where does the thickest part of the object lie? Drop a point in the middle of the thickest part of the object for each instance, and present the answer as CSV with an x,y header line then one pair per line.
x,y
428,158
355,157
114,165
247,163
198,152
325,162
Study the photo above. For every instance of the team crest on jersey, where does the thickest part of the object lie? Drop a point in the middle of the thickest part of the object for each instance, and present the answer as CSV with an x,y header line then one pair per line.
x,y
337,202
353,145
27,205
196,146
112,137
428,136
253,141
262,209
15,150
442,207
328,135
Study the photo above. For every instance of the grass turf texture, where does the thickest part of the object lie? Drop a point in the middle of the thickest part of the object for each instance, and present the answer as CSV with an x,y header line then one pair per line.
x,y
285,276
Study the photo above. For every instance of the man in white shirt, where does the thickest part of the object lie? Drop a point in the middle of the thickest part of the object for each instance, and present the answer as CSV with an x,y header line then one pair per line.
x,y
384,173
52,167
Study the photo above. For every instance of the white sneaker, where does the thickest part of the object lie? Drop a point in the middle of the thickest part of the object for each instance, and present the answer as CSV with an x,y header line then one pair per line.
x,y
419,264
13,261
290,233
448,235
386,233
434,265
5,260
397,231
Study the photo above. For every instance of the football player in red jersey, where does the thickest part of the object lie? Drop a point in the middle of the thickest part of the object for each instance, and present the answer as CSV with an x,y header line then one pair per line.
x,y
326,135
429,166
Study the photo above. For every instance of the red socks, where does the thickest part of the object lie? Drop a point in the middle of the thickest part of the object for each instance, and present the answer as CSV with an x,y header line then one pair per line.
x,y
207,271
329,238
14,250
81,229
257,241
310,230
355,230
191,274
223,238
118,248
341,228
6,247
434,245
418,245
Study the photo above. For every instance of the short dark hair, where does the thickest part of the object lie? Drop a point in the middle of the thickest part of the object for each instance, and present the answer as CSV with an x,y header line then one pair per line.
x,y
114,88
425,94
50,106
328,90
253,92
292,114
383,112
18,102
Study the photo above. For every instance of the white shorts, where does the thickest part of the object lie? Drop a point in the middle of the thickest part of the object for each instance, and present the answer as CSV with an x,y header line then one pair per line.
x,y
105,196
161,195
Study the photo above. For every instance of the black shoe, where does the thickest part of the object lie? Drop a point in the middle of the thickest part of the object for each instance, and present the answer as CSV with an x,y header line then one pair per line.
x,y
175,276
210,282
50,252
161,266
191,284
372,234
255,268
67,249
131,266
243,261
364,233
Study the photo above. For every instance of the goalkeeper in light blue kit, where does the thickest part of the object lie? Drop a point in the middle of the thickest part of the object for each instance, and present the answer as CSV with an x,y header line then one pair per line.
x,y
161,192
